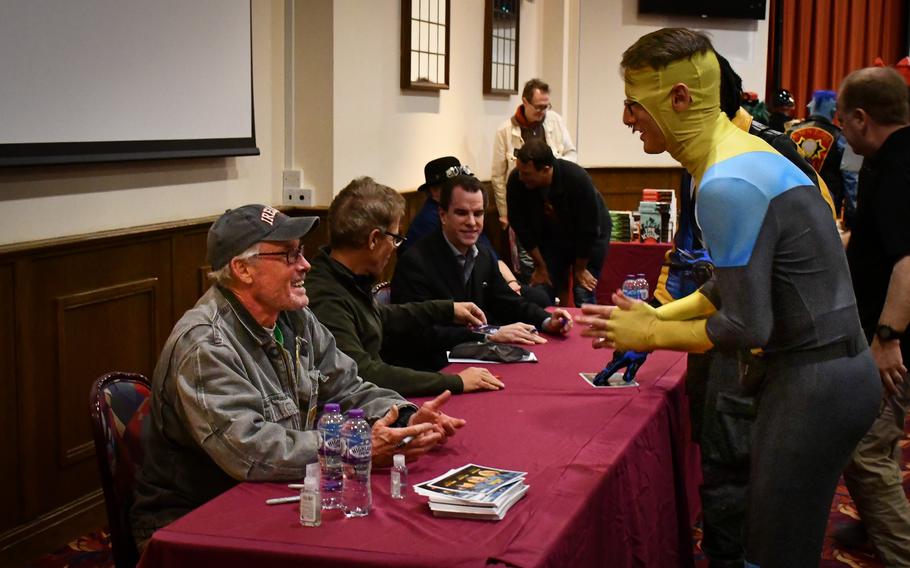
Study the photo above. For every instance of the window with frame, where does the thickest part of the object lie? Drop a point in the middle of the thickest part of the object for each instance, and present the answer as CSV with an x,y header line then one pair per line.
x,y
500,64
425,44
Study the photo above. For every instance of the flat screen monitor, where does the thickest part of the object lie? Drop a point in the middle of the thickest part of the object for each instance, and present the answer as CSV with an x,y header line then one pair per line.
x,y
744,9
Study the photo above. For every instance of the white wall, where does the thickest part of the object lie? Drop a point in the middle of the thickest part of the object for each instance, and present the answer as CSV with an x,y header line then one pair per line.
x,y
357,120
313,99
607,28
53,201
382,131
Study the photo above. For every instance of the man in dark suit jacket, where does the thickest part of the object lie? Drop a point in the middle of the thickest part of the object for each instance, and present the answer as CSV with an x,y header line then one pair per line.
x,y
448,264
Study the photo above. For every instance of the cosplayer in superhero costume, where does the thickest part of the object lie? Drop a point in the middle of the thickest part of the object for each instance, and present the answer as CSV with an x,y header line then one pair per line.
x,y
721,414
781,284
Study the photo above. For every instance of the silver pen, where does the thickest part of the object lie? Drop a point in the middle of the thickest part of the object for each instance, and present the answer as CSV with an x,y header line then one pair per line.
x,y
404,441
280,500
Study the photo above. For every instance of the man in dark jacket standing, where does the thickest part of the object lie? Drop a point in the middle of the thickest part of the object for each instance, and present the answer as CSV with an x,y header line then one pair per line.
x,y
560,218
448,263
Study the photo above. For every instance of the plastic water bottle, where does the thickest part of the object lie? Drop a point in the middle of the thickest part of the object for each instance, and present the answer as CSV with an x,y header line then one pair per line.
x,y
399,477
329,427
356,498
630,287
643,287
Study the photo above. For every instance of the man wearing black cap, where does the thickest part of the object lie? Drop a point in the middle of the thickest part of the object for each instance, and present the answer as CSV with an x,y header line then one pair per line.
x,y
244,372
560,218
427,219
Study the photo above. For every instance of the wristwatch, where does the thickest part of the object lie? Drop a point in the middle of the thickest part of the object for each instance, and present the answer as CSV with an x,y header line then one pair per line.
x,y
886,333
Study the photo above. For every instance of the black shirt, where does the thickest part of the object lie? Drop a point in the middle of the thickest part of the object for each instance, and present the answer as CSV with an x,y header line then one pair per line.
x,y
881,235
570,211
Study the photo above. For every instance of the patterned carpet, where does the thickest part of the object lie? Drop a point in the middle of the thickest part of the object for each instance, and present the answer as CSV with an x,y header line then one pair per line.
x,y
93,550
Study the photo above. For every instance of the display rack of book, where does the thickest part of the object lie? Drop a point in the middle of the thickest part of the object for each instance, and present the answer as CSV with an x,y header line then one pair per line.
x,y
657,215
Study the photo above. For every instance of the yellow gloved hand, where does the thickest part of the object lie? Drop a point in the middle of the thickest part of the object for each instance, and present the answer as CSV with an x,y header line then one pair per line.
x,y
639,328
694,306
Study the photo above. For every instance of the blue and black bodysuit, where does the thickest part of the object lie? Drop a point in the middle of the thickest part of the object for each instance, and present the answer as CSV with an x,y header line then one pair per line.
x,y
782,286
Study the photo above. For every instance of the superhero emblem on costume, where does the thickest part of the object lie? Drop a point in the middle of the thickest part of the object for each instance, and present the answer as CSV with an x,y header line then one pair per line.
x,y
813,143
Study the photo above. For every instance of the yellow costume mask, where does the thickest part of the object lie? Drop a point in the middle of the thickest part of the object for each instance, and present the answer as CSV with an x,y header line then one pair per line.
x,y
690,134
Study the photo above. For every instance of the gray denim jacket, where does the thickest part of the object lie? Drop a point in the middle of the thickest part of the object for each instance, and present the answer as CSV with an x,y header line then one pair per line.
x,y
230,404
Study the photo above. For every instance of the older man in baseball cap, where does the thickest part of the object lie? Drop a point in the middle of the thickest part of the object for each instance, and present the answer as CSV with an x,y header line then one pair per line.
x,y
244,373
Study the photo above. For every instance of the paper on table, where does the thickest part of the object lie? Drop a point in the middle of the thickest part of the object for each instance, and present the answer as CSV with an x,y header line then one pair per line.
x,y
615,381
532,358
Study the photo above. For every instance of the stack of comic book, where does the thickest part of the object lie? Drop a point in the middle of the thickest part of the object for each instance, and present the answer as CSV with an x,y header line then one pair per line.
x,y
474,492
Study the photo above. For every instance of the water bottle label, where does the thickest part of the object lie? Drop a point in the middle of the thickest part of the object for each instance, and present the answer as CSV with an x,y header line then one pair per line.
x,y
360,451
332,444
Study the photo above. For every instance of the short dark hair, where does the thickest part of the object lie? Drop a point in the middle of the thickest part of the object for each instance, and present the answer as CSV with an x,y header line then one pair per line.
x,y
468,183
880,91
731,87
359,208
536,150
663,47
534,85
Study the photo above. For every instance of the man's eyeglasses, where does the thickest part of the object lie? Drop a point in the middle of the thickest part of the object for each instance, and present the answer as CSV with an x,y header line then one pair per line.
x,y
397,239
542,108
291,256
458,171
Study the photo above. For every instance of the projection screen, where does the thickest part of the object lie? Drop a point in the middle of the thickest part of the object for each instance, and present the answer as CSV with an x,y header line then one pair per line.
x,y
108,80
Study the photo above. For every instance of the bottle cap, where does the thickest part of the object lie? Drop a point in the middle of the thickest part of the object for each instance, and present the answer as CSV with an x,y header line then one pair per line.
x,y
331,407
398,460
355,413
640,275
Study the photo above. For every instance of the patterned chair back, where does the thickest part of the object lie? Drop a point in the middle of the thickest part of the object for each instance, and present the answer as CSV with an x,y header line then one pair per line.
x,y
119,403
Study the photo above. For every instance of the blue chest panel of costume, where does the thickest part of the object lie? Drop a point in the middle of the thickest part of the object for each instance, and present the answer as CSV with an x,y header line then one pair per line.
x,y
733,201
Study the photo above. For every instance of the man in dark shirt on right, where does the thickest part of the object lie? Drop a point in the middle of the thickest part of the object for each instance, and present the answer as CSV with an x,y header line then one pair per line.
x,y
560,218
873,110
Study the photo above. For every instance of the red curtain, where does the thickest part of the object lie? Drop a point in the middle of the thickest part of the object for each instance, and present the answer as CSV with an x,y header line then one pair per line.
x,y
821,41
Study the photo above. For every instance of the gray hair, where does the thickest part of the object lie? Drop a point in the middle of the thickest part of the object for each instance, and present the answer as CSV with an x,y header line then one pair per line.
x,y
223,276
359,208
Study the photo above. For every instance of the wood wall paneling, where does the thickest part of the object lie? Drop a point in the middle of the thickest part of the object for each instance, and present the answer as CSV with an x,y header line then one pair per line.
x,y
87,312
10,511
621,187
84,355
190,269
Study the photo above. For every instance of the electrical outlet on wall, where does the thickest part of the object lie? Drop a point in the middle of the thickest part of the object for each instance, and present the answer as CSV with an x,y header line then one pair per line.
x,y
297,196
291,179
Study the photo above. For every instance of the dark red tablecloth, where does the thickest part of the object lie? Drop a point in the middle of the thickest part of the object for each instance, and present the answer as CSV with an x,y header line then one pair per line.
x,y
629,258
612,474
